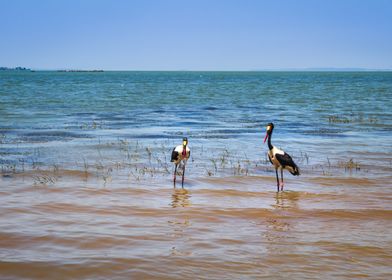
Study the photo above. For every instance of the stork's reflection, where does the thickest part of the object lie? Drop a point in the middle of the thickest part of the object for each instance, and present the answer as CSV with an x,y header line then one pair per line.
x,y
180,198
279,226
284,200
180,223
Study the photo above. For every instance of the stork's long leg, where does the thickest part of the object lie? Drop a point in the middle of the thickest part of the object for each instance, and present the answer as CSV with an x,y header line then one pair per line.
x,y
277,178
183,174
174,175
281,175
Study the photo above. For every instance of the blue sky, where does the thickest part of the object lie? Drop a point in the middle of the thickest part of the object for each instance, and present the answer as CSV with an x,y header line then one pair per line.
x,y
196,35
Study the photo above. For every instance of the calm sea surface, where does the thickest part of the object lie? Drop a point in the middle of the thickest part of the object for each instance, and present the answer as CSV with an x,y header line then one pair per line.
x,y
86,190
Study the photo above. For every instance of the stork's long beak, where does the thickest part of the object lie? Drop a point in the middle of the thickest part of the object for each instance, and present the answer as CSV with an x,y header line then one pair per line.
x,y
266,136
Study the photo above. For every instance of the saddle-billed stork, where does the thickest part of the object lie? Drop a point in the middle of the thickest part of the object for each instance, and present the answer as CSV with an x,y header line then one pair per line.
x,y
279,159
180,153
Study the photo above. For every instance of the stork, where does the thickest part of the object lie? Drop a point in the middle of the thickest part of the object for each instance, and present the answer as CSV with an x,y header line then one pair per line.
x,y
180,154
279,159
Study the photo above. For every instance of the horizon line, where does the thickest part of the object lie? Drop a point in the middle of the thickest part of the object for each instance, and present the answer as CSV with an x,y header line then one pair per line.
x,y
291,69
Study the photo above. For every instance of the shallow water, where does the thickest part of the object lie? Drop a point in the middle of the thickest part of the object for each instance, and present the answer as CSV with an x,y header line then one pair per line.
x,y
86,187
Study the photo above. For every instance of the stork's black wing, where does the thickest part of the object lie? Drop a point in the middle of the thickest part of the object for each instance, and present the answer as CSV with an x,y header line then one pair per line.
x,y
174,155
287,162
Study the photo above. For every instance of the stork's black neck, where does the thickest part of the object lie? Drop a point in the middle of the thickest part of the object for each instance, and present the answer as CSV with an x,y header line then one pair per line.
x,y
269,141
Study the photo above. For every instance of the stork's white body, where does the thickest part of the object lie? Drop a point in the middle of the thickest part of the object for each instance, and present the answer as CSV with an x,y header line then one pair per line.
x,y
272,155
277,164
179,149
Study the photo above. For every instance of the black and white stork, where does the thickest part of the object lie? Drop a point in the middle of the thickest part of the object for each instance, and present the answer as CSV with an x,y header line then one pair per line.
x,y
181,153
279,159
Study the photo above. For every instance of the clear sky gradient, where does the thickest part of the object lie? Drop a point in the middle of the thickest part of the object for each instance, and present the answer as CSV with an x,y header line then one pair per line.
x,y
196,34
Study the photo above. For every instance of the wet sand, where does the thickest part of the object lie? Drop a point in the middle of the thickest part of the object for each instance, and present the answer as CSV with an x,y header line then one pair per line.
x,y
234,227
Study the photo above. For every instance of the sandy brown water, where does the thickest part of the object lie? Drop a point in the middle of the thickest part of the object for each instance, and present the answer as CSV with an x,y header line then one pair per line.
x,y
236,227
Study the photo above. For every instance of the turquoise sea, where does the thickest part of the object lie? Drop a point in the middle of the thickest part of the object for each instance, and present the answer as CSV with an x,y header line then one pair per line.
x,y
59,118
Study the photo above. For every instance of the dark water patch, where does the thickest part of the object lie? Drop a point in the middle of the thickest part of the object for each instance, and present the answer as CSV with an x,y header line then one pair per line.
x,y
7,129
12,151
253,107
210,108
123,124
121,117
9,136
160,111
211,135
192,124
298,126
386,128
52,135
230,132
82,114
149,136
7,163
326,132
178,133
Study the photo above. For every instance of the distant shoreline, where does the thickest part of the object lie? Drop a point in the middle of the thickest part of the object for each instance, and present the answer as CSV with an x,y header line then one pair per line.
x,y
79,70
25,69
16,69
19,68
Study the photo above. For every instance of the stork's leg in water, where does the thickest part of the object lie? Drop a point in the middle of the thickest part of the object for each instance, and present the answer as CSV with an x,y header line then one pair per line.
x,y
174,175
277,178
281,176
183,174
